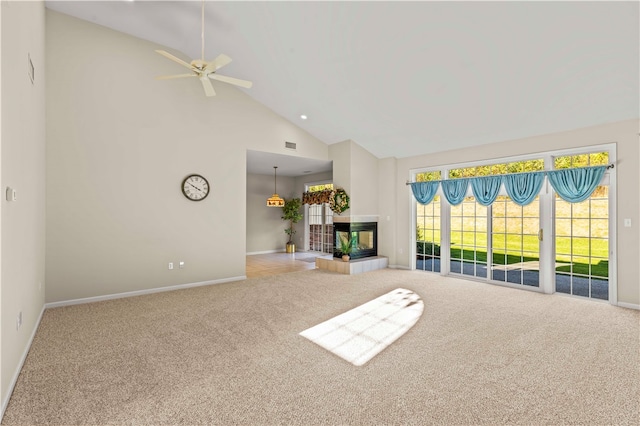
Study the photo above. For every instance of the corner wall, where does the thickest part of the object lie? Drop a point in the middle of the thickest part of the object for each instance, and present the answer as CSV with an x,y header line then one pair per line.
x,y
22,166
356,170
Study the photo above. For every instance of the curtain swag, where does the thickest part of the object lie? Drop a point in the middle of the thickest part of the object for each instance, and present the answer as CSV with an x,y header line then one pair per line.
x,y
455,190
572,185
523,188
424,191
486,189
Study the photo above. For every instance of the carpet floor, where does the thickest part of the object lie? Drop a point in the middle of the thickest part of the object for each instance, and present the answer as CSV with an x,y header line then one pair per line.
x,y
231,354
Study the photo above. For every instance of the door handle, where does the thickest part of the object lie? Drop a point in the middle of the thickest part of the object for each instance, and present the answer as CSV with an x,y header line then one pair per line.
x,y
540,235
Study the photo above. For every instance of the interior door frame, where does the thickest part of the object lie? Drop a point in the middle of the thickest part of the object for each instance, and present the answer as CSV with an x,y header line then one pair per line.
x,y
307,235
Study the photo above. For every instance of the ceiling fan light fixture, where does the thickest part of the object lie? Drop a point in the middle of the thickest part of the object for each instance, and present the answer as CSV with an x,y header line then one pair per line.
x,y
275,200
204,69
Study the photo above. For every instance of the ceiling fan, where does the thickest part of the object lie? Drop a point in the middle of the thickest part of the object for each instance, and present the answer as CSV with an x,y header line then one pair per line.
x,y
205,70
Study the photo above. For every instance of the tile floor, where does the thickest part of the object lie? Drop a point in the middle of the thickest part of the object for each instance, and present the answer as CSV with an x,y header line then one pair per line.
x,y
260,265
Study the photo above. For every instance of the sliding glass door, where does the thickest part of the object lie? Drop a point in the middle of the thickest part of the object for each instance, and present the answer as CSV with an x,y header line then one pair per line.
x,y
503,243
515,242
468,238
582,236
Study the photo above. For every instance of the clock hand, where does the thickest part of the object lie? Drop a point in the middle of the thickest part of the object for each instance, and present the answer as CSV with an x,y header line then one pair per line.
x,y
195,186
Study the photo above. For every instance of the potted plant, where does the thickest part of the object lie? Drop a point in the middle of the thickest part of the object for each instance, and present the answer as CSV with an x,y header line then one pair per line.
x,y
346,245
291,213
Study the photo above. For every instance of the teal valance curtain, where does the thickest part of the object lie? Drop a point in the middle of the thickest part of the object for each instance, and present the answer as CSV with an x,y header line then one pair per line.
x,y
576,185
522,188
486,189
572,185
424,191
455,190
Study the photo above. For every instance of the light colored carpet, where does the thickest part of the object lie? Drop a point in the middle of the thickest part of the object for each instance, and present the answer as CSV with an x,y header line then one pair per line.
x,y
231,354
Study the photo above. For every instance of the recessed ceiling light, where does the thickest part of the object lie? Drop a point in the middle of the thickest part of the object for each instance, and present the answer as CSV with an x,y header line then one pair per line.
x,y
304,117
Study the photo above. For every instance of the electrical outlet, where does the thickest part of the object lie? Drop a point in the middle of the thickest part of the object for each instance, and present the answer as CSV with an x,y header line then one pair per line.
x,y
12,194
181,265
170,265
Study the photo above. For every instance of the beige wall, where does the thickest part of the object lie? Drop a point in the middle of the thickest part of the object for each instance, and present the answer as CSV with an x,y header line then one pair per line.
x,y
364,182
265,227
387,209
624,134
22,167
119,145
356,171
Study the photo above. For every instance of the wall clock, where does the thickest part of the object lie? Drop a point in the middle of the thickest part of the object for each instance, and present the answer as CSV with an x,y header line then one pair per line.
x,y
195,187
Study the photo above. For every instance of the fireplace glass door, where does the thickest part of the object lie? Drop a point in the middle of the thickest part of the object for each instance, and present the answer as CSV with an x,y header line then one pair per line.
x,y
363,239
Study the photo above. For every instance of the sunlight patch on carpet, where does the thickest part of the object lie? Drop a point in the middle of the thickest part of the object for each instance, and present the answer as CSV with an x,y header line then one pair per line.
x,y
363,332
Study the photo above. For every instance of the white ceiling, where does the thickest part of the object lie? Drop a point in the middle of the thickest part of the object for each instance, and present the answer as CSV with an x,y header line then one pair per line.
x,y
408,78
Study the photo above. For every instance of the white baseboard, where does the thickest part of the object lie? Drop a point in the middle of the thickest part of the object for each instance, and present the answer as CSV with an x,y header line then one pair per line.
x,y
629,305
140,292
251,253
406,268
23,358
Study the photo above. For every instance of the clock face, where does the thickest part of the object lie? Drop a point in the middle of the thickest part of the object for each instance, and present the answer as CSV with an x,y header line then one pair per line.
x,y
195,187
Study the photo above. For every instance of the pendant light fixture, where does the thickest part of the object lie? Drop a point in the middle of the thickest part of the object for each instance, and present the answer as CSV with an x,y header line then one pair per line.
x,y
275,200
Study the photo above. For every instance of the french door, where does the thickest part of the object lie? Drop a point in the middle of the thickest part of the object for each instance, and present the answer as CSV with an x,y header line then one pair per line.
x,y
515,242
320,228
549,245
498,243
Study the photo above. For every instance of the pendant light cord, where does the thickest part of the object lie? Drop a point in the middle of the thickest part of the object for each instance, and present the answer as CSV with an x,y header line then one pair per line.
x,y
275,179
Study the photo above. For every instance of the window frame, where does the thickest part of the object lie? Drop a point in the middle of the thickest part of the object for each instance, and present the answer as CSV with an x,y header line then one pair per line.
x,y
547,212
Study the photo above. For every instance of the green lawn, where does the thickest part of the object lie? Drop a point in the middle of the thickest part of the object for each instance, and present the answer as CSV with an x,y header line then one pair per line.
x,y
587,248
511,248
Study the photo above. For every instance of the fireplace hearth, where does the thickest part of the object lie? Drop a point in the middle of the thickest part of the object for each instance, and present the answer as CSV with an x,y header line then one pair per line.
x,y
365,238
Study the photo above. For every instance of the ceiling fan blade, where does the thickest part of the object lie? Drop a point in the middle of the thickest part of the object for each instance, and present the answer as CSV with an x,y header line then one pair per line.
x,y
231,80
218,62
208,87
175,59
166,77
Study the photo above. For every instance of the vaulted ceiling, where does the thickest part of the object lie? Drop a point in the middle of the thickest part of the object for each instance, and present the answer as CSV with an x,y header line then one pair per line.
x,y
408,78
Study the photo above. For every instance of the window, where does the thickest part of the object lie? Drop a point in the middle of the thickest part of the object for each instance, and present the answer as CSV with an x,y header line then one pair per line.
x,y
469,238
320,219
503,243
428,229
582,236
